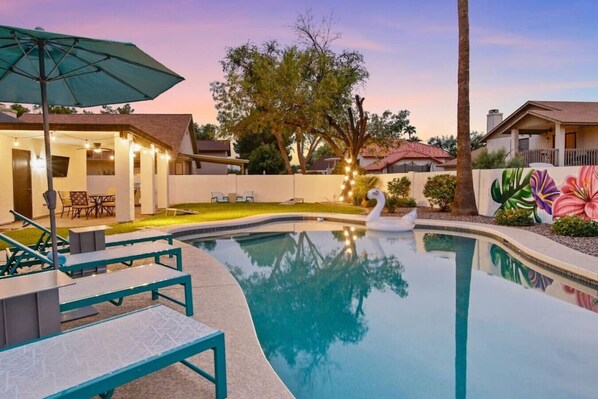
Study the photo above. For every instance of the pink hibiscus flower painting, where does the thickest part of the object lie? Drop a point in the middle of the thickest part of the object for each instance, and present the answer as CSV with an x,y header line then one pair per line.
x,y
579,195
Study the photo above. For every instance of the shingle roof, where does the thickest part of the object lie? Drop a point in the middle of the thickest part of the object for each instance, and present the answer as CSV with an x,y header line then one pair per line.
x,y
405,150
565,112
204,146
568,111
167,128
4,118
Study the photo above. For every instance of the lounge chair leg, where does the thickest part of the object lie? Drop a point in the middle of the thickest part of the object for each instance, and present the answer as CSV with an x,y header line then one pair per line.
x,y
188,298
107,394
220,368
155,296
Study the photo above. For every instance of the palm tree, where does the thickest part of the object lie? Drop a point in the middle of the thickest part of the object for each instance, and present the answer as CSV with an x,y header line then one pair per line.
x,y
464,203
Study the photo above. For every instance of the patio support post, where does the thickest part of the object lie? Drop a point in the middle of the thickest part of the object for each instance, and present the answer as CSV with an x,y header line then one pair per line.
x,y
559,143
162,181
514,142
148,198
123,170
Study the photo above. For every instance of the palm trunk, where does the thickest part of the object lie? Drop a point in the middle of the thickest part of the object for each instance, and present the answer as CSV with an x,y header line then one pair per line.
x,y
464,203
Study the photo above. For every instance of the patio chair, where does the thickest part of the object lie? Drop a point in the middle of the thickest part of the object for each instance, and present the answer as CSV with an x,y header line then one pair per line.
x,y
79,203
109,202
141,342
65,199
247,196
44,240
219,197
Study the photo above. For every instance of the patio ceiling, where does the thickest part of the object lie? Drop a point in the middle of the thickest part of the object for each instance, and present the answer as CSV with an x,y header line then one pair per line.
x,y
78,134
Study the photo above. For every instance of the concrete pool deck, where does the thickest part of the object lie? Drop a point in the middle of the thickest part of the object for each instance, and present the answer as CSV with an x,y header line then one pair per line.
x,y
220,303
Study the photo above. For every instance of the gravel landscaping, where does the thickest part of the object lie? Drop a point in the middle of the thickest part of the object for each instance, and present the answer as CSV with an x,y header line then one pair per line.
x,y
587,245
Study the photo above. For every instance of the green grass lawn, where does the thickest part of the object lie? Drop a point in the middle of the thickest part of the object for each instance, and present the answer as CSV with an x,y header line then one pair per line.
x,y
207,213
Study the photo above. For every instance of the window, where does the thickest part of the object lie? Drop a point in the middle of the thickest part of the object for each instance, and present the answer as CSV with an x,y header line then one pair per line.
x,y
523,145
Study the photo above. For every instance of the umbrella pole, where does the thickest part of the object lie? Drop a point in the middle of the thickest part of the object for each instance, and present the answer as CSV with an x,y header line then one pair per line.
x,y
50,195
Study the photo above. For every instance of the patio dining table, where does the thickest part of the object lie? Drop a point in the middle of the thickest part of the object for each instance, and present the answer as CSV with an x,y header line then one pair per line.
x,y
98,200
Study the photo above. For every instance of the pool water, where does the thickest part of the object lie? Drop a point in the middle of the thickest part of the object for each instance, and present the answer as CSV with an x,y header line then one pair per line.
x,y
345,313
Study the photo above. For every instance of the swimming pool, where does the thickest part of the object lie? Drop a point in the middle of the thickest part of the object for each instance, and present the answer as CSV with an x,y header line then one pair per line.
x,y
343,313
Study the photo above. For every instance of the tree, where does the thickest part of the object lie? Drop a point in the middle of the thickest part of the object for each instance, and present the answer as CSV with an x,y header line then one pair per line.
x,y
19,109
449,143
464,196
208,131
266,159
124,110
357,128
57,109
289,90
248,142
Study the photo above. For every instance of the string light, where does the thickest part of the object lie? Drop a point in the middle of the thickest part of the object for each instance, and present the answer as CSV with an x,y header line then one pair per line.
x,y
111,157
16,143
52,136
87,145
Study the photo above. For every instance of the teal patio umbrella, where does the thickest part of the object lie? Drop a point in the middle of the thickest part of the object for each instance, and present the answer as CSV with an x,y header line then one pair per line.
x,y
38,67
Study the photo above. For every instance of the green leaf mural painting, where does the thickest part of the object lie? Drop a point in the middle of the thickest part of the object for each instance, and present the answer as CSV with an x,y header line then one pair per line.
x,y
514,191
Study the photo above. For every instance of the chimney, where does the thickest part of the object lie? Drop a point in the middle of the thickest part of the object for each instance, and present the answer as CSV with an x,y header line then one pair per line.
x,y
493,118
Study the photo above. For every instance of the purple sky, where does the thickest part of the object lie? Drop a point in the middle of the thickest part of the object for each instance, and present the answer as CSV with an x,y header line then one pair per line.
x,y
520,50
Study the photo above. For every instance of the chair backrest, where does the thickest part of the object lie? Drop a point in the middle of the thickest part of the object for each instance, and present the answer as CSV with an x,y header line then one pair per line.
x,y
79,198
65,197
218,195
248,194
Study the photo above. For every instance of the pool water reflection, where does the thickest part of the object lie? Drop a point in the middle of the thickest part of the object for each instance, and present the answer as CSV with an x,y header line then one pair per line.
x,y
350,314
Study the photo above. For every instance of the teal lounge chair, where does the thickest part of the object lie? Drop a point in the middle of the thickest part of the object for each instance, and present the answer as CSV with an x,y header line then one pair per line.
x,y
44,241
20,255
151,338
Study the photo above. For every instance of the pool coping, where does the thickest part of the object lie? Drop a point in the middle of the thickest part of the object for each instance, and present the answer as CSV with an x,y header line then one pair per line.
x,y
547,253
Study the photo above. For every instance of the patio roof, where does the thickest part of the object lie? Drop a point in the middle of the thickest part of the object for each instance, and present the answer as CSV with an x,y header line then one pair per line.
x,y
166,130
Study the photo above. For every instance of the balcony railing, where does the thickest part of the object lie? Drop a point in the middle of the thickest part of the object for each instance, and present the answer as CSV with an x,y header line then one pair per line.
x,y
573,156
579,157
550,156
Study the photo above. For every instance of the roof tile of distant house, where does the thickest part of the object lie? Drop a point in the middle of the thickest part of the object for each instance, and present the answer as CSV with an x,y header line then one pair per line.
x,y
405,150
4,118
167,128
209,146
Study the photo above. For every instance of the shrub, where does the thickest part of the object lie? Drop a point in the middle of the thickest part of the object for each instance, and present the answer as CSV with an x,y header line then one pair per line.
x,y
405,202
363,184
399,187
515,162
575,226
514,217
440,191
391,204
490,159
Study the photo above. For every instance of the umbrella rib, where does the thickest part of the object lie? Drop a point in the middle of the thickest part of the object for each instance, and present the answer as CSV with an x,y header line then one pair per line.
x,y
120,59
26,53
65,53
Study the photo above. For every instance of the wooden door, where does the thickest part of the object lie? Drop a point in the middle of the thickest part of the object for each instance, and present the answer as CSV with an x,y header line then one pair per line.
x,y
21,178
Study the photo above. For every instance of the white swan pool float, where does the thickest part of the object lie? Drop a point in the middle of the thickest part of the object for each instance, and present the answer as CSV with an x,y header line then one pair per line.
x,y
374,222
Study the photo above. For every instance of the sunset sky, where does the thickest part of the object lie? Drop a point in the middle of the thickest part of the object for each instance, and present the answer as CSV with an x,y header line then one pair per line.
x,y
520,50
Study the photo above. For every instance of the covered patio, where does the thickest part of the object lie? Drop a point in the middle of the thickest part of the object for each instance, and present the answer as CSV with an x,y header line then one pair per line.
x,y
22,164
560,133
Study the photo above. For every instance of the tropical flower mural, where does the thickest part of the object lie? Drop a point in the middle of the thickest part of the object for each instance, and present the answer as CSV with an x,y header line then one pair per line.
x,y
537,191
544,190
579,195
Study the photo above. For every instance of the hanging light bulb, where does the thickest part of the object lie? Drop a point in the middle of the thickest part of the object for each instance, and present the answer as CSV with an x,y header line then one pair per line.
x,y
354,173
341,198
87,145
349,160
350,193
352,182
111,157
16,142
347,168
52,136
